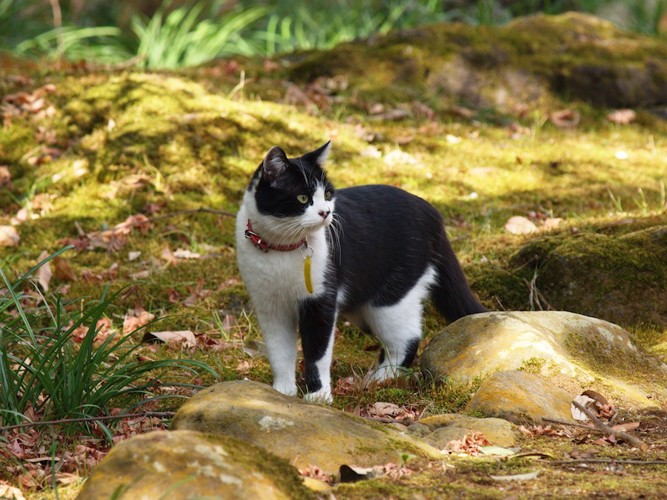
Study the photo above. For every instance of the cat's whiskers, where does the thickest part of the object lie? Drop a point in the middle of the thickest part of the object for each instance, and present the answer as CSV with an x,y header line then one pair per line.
x,y
336,228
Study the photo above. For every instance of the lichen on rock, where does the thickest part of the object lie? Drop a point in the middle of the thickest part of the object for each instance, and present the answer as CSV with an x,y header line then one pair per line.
x,y
574,352
302,433
187,465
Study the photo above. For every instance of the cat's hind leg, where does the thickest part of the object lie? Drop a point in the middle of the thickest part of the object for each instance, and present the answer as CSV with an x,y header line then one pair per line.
x,y
398,327
399,331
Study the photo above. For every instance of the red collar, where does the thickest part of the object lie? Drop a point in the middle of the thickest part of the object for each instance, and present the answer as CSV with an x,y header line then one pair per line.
x,y
265,246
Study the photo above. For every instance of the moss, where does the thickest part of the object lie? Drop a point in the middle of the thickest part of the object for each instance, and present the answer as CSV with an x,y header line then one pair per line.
x,y
533,365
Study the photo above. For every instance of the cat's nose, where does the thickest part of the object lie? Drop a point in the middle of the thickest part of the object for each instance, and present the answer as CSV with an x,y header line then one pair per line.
x,y
324,213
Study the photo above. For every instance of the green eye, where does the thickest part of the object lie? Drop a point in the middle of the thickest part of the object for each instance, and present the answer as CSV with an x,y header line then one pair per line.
x,y
303,198
328,195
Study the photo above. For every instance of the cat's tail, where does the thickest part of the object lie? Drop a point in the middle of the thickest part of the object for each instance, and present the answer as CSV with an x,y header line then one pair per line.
x,y
451,293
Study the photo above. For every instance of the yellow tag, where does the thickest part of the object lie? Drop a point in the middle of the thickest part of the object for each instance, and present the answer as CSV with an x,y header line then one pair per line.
x,y
306,273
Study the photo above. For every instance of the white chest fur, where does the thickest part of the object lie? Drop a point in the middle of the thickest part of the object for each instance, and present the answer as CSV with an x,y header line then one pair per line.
x,y
277,278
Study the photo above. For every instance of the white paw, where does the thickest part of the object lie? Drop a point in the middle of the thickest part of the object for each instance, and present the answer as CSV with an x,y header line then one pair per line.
x,y
386,372
323,396
285,388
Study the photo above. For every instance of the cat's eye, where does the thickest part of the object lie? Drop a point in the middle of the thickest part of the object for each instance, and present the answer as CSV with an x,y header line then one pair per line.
x,y
328,195
303,198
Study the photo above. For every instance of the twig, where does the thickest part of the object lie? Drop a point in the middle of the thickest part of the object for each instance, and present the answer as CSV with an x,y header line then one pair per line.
x,y
156,414
221,213
602,426
573,424
605,461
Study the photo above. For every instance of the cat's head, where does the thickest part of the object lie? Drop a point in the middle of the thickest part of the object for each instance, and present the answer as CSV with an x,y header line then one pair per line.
x,y
291,197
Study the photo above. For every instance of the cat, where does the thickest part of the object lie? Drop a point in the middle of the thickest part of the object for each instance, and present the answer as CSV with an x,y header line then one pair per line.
x,y
308,252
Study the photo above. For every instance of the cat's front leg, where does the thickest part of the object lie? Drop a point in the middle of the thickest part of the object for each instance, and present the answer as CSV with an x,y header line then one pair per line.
x,y
281,344
317,318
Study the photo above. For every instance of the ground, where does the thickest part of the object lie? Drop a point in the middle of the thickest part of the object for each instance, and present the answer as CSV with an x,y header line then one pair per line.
x,y
142,173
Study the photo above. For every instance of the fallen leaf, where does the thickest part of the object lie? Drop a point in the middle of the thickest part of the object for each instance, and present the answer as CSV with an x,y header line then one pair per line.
x,y
585,401
185,254
622,116
62,269
517,477
550,223
626,427
10,492
44,273
183,337
9,236
565,118
314,472
497,451
520,225
5,176
469,444
135,319
140,275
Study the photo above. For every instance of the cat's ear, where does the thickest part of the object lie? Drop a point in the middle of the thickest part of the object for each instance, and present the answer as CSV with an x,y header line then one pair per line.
x,y
320,155
274,165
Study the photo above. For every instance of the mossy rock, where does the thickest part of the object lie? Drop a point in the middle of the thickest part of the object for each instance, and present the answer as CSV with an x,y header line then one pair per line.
x,y
450,426
188,465
619,278
302,433
571,55
572,351
521,397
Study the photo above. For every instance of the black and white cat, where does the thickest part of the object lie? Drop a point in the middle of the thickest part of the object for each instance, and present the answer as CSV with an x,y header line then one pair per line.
x,y
308,252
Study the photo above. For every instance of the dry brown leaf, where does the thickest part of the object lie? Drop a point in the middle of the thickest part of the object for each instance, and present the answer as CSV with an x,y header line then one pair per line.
x,y
9,236
313,471
135,319
44,273
62,269
10,492
565,118
622,116
185,254
5,176
585,401
183,337
520,225
469,444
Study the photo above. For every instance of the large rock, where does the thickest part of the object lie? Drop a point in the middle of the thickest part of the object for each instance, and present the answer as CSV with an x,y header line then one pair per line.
x,y
450,426
521,397
526,62
618,277
304,434
572,351
187,465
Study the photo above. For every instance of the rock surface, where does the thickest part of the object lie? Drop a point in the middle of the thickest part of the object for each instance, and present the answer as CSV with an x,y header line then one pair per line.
x,y
450,426
521,397
304,434
522,63
187,465
629,273
572,351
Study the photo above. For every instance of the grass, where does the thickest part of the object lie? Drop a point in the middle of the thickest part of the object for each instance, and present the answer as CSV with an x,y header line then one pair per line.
x,y
56,362
177,36
165,145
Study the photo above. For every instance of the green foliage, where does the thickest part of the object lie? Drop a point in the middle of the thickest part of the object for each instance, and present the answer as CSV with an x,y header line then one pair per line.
x,y
192,34
301,25
181,38
42,369
95,44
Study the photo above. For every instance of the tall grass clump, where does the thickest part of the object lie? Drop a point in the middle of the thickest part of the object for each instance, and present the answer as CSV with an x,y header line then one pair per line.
x,y
183,37
45,373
